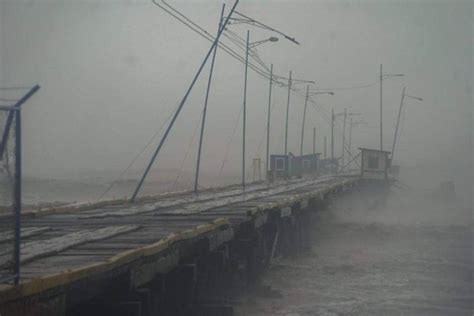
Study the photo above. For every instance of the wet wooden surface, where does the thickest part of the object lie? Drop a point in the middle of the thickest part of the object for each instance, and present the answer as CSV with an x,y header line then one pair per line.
x,y
56,243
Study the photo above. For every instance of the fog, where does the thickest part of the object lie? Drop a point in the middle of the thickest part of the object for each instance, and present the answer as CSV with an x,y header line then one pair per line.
x,y
111,73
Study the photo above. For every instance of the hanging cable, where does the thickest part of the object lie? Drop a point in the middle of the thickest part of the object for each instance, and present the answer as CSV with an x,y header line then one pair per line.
x,y
187,151
224,160
111,185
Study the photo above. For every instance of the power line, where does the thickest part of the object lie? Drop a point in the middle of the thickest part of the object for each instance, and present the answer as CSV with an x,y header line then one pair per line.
x,y
107,190
349,87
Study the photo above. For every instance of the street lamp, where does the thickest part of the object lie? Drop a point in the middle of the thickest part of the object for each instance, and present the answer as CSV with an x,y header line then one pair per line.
x,y
270,39
248,20
382,76
290,82
398,119
248,46
304,112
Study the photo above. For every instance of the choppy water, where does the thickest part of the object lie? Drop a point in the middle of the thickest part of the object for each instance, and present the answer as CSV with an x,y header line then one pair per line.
x,y
413,257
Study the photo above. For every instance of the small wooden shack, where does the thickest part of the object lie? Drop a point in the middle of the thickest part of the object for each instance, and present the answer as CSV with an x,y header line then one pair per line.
x,y
374,163
279,166
293,166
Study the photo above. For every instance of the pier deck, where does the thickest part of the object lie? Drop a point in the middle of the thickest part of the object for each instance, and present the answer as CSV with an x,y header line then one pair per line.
x,y
66,251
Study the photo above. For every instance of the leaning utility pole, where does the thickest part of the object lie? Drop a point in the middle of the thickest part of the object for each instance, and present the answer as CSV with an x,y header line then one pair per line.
x,y
332,134
181,104
382,76
325,155
203,122
398,119
343,137
268,122
304,118
244,110
287,114
381,79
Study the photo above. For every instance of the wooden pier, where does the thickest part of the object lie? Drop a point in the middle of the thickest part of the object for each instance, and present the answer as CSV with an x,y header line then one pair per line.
x,y
166,256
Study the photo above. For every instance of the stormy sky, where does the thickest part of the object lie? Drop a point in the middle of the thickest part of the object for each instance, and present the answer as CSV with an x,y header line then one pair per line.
x,y
112,72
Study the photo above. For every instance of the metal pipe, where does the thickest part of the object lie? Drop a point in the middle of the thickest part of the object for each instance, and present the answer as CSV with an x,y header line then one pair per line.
x,y
287,113
6,130
203,122
398,121
268,122
17,195
304,118
343,137
332,134
325,156
381,79
245,109
176,114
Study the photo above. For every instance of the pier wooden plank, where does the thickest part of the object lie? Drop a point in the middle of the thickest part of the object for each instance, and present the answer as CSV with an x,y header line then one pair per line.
x,y
36,249
64,254
25,232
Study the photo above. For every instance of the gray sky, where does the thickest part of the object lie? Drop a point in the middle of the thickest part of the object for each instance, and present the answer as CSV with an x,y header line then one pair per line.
x,y
112,71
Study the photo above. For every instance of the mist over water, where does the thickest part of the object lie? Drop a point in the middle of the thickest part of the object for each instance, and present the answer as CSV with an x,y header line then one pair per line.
x,y
113,72
411,256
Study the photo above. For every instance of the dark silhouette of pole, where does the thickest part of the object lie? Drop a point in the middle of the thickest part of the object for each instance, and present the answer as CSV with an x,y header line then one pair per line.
x,y
287,114
304,118
176,114
268,122
17,193
203,122
314,140
350,133
245,109
325,155
15,115
332,134
6,130
343,137
398,121
381,127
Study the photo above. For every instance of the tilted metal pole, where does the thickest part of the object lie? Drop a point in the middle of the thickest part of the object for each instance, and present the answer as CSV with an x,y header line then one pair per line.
x,y
176,114
304,118
203,122
287,114
332,134
268,121
245,109
350,134
381,129
6,130
17,194
325,156
343,137
398,121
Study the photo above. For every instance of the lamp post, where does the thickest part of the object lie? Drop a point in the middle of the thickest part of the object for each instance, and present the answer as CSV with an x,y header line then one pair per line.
x,y
203,121
244,112
398,119
308,94
290,83
382,76
181,104
268,122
